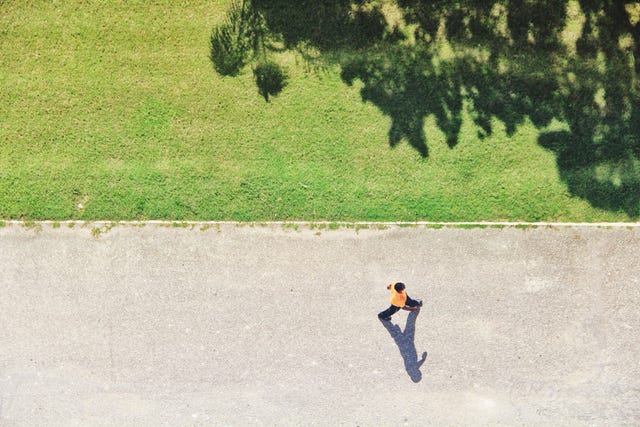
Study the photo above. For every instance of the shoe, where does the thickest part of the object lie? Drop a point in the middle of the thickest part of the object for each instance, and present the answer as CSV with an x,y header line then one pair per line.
x,y
419,303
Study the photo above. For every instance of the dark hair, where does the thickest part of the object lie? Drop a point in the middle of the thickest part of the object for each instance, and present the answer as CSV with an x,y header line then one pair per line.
x,y
399,287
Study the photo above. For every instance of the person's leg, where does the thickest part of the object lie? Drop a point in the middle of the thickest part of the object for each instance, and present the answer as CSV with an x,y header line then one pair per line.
x,y
386,315
412,302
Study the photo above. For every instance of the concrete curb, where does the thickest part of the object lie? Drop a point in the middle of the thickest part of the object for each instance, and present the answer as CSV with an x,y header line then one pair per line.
x,y
328,224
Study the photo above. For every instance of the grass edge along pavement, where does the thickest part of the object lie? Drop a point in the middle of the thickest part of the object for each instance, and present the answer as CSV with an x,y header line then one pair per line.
x,y
97,228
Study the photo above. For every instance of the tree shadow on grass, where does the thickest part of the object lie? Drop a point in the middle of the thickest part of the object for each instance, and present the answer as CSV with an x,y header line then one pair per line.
x,y
270,79
406,87
569,67
324,24
598,156
405,342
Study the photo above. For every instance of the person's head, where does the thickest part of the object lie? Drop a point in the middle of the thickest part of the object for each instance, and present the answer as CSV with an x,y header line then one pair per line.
x,y
399,286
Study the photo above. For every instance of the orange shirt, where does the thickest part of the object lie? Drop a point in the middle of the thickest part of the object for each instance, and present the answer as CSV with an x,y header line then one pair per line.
x,y
398,299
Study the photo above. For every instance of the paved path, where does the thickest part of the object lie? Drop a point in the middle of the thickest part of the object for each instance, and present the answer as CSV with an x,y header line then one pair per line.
x,y
268,325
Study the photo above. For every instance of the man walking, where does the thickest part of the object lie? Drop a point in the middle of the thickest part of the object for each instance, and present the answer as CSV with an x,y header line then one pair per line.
x,y
399,299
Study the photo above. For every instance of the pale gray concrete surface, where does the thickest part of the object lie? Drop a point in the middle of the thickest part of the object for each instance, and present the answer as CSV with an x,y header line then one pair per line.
x,y
262,326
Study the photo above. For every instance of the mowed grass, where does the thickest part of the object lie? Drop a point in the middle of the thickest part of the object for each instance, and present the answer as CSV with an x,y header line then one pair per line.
x,y
112,110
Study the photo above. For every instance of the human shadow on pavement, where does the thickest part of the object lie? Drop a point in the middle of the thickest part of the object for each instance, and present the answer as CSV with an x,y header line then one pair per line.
x,y
405,342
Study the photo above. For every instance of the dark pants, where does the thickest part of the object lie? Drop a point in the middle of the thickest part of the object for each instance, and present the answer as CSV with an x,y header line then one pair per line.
x,y
388,312
393,309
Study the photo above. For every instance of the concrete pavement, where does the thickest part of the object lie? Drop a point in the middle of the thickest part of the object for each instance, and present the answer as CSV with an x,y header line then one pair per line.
x,y
276,325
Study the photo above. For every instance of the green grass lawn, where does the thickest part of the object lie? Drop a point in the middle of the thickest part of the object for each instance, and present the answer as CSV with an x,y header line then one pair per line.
x,y
114,111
